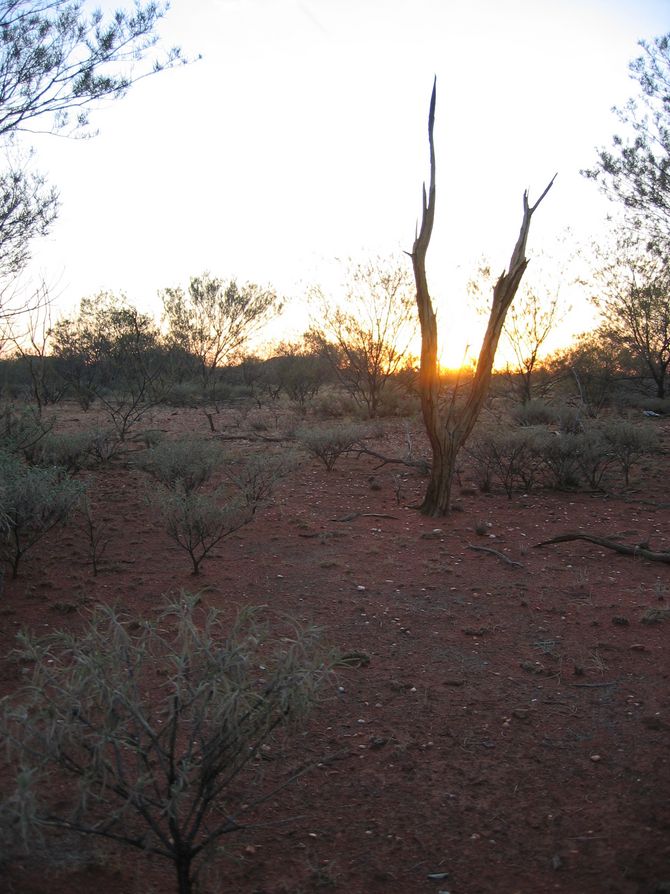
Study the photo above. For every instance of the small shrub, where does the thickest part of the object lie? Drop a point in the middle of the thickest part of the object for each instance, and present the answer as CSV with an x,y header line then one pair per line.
x,y
594,456
20,431
628,442
71,451
105,446
330,443
534,412
34,500
569,420
505,455
184,394
198,522
156,726
186,464
255,476
560,456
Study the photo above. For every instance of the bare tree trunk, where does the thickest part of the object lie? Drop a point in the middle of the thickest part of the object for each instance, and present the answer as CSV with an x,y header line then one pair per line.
x,y
448,428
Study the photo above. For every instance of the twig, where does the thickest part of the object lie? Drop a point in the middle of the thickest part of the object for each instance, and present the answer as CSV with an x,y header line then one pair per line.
x,y
595,685
495,552
353,515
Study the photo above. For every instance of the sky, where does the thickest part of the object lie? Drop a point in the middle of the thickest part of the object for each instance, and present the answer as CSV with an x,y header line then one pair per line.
x,y
299,140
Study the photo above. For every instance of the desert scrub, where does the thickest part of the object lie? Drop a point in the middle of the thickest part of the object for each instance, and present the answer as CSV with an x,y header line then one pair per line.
x,y
329,443
157,726
628,442
185,464
34,501
505,455
71,451
559,454
595,456
21,430
197,522
534,412
255,476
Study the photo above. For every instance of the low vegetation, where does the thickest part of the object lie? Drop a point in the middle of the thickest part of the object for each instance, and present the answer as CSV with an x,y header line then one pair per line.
x,y
158,725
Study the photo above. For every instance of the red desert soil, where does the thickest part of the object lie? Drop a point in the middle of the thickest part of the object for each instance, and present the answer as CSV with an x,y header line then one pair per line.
x,y
511,732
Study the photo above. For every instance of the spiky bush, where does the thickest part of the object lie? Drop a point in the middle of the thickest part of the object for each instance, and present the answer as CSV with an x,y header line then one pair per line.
x,y
157,726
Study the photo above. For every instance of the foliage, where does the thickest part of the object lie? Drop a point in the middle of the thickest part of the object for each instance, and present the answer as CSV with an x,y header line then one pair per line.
x,y
34,501
113,352
329,443
185,464
627,442
57,59
634,302
71,451
593,367
505,455
197,522
255,476
635,172
529,323
20,431
366,340
158,725
214,319
297,372
534,412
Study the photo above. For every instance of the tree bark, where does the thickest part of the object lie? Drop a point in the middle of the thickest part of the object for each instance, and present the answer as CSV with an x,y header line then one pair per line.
x,y
448,428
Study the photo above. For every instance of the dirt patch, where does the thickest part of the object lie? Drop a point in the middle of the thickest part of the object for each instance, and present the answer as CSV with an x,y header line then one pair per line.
x,y
508,727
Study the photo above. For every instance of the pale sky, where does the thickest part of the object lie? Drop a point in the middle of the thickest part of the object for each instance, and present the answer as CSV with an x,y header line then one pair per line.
x,y
300,137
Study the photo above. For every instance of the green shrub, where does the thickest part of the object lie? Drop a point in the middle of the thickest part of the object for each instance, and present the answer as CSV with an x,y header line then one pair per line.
x,y
198,522
150,731
34,500
329,443
71,451
184,464
559,454
105,446
534,412
595,456
255,476
20,430
628,442
184,394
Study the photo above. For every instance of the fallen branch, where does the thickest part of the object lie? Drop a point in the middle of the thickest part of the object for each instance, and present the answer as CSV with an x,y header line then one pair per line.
x,y
495,552
353,515
421,464
641,551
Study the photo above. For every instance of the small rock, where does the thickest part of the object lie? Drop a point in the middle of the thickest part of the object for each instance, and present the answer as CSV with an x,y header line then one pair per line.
x,y
520,713
435,534
620,621
595,758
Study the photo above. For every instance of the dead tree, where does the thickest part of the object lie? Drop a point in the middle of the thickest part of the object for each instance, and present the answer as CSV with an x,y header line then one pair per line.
x,y
448,427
